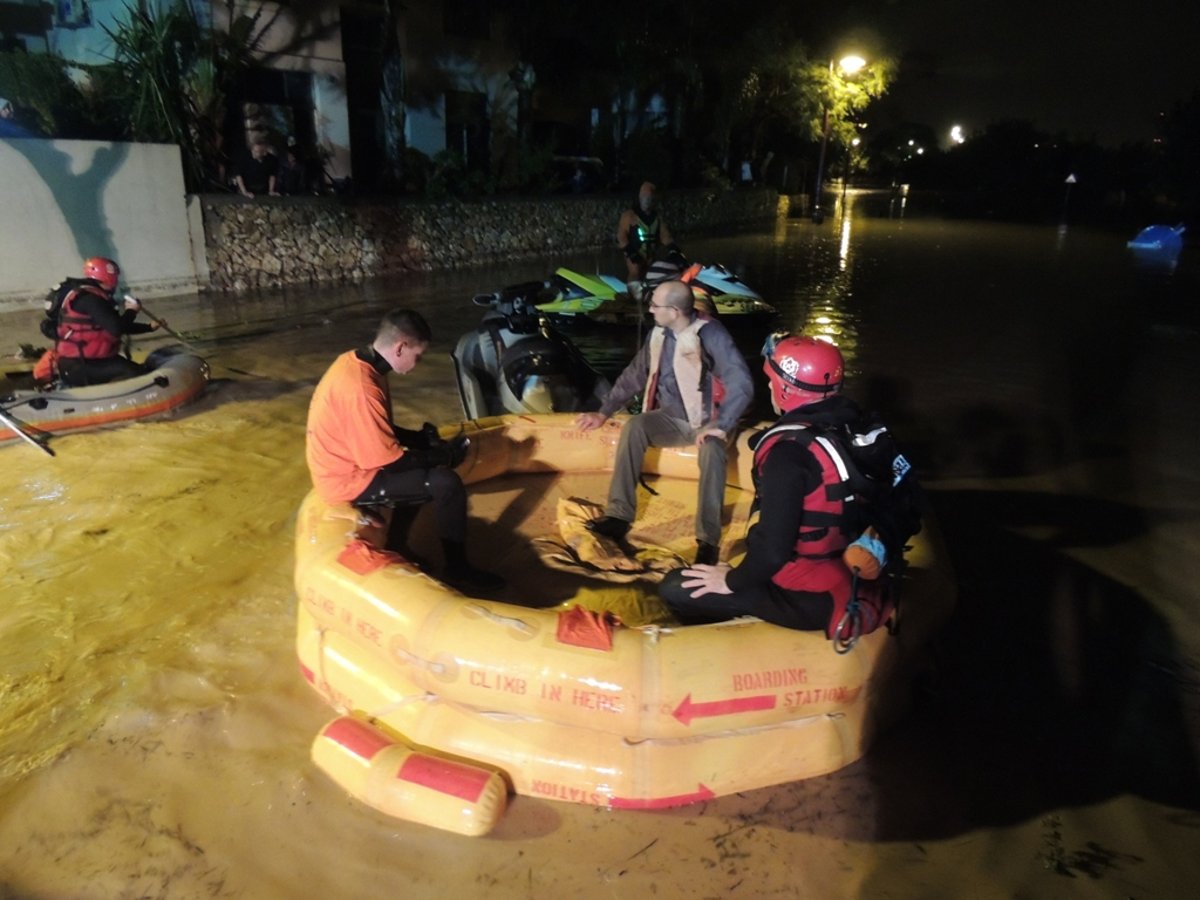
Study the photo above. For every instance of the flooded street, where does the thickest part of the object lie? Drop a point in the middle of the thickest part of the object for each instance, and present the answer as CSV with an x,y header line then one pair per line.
x,y
155,729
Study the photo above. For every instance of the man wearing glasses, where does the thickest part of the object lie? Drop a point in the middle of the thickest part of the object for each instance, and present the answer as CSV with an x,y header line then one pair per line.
x,y
696,388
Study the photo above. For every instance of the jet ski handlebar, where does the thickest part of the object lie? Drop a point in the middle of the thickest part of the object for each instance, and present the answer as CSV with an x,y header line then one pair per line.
x,y
518,299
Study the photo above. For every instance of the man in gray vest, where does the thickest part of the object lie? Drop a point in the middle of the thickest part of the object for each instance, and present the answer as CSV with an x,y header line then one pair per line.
x,y
696,387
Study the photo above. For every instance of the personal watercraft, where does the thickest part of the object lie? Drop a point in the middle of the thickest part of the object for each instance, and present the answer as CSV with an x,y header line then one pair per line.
x,y
607,300
516,362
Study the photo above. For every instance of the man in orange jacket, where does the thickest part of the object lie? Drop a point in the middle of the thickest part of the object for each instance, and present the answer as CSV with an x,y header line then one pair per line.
x,y
357,455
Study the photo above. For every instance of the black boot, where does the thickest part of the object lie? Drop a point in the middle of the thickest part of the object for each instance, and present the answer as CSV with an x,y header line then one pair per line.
x,y
397,536
608,526
462,575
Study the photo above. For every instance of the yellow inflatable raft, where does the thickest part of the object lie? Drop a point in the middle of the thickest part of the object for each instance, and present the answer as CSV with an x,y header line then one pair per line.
x,y
644,717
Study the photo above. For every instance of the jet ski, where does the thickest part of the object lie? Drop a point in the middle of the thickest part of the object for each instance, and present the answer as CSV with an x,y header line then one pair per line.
x,y
607,300
517,362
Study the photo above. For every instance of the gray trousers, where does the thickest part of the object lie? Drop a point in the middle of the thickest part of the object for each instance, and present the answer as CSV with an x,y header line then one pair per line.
x,y
657,429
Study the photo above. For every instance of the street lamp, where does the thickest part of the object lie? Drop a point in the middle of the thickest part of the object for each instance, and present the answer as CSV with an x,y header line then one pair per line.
x,y
849,65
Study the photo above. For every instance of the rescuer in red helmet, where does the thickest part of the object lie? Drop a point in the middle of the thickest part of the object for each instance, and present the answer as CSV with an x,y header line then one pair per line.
x,y
812,482
87,323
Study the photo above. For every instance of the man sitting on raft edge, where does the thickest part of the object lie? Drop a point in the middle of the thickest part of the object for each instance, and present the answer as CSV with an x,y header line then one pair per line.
x,y
695,387
357,455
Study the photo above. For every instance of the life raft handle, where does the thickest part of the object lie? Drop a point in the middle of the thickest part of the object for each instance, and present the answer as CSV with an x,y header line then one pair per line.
x,y
508,621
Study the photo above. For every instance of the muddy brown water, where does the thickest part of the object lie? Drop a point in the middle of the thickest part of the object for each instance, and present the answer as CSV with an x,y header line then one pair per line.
x,y
154,728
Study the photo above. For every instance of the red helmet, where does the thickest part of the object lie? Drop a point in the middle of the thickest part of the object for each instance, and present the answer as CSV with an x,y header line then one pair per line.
x,y
102,270
801,369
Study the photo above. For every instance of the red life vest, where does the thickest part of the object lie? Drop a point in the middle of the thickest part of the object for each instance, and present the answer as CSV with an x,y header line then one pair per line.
x,y
78,335
827,526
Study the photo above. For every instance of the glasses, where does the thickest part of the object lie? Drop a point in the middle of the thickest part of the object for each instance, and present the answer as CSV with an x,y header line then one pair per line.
x,y
654,305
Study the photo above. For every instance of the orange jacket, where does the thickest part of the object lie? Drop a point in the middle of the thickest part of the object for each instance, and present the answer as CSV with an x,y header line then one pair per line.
x,y
350,436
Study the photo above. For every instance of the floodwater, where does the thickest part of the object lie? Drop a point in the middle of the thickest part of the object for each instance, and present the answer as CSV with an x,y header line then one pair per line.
x,y
155,730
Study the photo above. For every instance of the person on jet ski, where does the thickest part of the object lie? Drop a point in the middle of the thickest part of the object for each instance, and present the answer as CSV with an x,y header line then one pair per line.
x,y
642,235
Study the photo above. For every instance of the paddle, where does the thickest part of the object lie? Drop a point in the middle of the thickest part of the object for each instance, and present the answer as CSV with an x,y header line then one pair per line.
x,y
163,325
21,433
179,337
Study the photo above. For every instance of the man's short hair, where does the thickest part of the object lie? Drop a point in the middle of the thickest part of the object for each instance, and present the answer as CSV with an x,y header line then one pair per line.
x,y
404,323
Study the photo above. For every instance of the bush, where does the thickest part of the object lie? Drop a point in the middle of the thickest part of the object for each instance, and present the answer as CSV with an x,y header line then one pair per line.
x,y
449,177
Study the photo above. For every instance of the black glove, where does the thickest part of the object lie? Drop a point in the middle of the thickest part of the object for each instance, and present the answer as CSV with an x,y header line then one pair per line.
x,y
418,440
445,453
633,249
675,255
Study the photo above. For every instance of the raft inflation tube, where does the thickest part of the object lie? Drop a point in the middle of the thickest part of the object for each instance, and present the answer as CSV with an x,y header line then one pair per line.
x,y
402,781
652,717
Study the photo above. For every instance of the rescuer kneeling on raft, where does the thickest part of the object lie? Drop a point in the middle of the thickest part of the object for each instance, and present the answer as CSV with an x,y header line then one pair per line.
x,y
824,475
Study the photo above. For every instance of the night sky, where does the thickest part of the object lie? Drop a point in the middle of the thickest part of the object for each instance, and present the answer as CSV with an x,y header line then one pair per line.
x,y
1098,69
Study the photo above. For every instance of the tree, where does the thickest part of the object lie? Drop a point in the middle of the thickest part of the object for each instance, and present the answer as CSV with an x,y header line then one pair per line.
x,y
169,78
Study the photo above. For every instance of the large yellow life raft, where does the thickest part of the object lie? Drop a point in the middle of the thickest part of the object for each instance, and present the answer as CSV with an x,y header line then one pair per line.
x,y
648,717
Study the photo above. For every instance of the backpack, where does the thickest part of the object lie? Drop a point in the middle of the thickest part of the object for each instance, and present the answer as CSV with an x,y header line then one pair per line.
x,y
890,497
54,302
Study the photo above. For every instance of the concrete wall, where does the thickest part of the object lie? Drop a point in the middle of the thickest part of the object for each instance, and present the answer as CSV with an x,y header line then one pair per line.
x,y
63,201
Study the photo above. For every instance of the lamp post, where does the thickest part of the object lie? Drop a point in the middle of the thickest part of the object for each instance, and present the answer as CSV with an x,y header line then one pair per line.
x,y
849,65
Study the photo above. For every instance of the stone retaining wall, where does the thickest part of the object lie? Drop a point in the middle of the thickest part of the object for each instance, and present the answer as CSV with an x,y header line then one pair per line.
x,y
267,242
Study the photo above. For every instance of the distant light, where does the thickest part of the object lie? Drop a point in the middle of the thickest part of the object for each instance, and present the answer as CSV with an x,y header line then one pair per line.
x,y
851,64
956,135
911,143
920,150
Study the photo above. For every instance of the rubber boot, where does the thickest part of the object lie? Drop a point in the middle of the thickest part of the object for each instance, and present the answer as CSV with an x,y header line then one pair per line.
x,y
459,573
